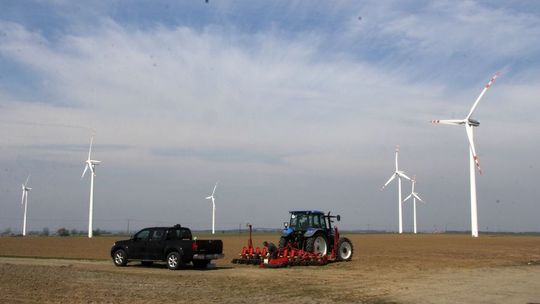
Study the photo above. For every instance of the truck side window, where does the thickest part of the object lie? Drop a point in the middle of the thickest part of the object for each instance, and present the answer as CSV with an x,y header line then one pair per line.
x,y
172,234
186,234
157,235
142,236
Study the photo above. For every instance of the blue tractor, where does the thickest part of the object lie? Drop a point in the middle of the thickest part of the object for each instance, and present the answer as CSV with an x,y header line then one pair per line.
x,y
312,231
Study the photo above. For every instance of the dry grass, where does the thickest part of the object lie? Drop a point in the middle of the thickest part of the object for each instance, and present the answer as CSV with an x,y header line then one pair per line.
x,y
382,267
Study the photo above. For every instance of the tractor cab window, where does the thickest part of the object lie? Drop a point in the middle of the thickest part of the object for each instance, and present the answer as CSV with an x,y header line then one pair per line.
x,y
318,222
299,221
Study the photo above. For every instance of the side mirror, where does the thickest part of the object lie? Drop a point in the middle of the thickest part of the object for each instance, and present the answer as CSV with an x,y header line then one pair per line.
x,y
338,217
286,225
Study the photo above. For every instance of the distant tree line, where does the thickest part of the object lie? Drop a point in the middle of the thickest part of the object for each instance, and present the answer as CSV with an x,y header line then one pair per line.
x,y
60,232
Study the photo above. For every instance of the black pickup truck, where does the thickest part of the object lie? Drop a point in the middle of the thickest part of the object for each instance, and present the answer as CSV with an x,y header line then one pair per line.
x,y
173,245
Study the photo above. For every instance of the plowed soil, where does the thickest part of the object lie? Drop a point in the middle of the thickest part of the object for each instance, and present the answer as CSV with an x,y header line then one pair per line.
x,y
386,268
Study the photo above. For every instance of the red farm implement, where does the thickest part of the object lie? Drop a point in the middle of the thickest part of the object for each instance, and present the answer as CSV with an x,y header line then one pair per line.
x,y
292,255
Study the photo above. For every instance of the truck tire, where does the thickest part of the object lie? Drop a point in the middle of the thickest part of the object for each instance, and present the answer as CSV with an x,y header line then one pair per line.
x,y
344,250
174,260
282,242
120,258
317,244
201,264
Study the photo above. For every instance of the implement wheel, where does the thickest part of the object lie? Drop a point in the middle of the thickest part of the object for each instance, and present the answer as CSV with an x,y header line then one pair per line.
x,y
344,249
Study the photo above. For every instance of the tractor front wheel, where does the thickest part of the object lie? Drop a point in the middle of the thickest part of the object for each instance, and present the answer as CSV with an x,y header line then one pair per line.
x,y
317,244
344,249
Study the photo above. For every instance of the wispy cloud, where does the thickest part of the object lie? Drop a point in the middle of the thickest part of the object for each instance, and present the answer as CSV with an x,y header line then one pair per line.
x,y
314,90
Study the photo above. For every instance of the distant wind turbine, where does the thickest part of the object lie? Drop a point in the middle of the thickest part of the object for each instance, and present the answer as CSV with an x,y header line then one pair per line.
x,y
469,123
90,164
414,196
399,174
213,208
24,202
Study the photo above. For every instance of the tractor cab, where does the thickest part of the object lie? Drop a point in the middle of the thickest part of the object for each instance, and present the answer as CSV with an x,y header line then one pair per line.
x,y
306,222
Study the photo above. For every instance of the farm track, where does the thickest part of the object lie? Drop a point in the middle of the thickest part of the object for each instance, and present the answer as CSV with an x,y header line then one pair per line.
x,y
385,269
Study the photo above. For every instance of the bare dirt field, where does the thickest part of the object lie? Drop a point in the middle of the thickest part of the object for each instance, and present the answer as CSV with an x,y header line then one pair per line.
x,y
386,268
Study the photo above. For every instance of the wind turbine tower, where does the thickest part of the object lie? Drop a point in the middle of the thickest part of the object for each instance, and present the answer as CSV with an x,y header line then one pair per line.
x,y
91,164
469,123
24,202
211,197
415,197
399,174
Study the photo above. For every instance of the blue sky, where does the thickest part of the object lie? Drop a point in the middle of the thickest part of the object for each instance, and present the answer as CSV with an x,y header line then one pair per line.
x,y
289,104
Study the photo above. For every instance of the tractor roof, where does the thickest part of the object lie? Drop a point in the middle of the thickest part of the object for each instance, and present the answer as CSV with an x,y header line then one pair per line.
x,y
307,212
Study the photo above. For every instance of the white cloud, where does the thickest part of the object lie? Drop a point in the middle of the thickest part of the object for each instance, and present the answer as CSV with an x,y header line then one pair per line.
x,y
183,101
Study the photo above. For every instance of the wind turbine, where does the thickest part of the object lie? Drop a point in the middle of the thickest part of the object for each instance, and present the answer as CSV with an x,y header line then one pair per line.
x,y
414,196
213,208
399,174
24,202
469,123
90,164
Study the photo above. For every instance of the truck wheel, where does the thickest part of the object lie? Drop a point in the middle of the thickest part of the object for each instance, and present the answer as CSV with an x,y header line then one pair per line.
x,y
120,258
282,242
201,264
344,249
147,263
174,260
317,244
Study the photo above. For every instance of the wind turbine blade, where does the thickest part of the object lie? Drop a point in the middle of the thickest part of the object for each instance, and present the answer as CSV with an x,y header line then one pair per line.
x,y
449,121
402,174
92,170
407,198
214,191
417,197
26,182
90,149
469,130
488,85
389,180
397,155
84,172
208,197
22,198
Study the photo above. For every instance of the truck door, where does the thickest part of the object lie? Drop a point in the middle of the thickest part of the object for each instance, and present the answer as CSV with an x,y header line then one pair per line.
x,y
137,248
156,244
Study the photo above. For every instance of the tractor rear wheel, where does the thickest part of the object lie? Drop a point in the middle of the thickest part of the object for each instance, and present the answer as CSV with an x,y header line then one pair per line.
x,y
344,249
317,244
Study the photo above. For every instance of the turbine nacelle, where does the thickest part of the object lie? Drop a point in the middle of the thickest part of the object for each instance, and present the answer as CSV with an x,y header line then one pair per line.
x,y
472,122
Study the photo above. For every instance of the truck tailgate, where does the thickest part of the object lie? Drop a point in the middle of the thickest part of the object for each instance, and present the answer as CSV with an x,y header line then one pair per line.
x,y
209,246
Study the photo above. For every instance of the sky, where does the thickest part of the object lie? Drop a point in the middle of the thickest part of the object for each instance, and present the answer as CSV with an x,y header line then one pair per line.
x,y
290,105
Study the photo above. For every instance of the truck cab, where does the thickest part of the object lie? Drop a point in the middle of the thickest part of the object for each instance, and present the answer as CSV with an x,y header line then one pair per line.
x,y
174,245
